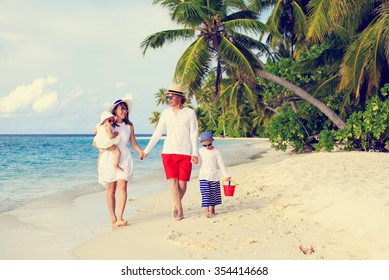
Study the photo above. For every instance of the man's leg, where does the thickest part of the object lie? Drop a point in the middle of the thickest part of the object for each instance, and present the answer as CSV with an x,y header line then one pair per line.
x,y
178,189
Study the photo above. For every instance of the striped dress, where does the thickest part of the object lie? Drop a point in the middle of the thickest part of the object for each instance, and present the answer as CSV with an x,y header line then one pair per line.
x,y
210,161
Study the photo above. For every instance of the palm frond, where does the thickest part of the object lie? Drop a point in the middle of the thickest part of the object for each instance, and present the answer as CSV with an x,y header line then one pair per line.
x,y
260,5
158,40
193,64
366,59
319,25
329,85
245,14
189,13
300,21
251,43
230,6
329,56
246,25
384,11
235,57
352,65
274,19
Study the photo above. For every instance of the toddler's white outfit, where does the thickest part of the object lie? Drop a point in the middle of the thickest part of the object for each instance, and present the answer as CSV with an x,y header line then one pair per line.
x,y
102,139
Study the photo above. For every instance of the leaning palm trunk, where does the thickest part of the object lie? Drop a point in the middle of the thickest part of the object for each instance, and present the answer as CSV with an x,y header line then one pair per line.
x,y
306,96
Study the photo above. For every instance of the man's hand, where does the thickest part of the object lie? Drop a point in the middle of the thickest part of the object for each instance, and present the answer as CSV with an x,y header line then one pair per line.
x,y
143,155
195,159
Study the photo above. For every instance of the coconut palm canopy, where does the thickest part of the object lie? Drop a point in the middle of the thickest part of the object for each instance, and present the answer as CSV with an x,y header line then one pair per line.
x,y
357,35
225,37
219,31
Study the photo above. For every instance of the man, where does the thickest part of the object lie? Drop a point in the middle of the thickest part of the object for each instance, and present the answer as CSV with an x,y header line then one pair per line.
x,y
180,146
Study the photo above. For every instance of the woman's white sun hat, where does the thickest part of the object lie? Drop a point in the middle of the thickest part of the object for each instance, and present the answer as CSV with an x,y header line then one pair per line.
x,y
128,101
106,115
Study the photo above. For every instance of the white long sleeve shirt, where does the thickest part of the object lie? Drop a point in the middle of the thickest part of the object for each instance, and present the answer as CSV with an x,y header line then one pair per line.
x,y
181,132
210,160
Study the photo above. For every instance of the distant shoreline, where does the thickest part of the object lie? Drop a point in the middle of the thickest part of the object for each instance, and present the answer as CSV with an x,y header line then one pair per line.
x,y
91,135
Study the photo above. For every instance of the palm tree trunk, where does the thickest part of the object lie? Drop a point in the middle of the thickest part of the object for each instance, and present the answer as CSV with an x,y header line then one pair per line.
x,y
218,78
306,96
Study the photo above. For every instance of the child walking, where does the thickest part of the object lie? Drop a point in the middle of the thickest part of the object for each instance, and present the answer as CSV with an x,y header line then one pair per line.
x,y
211,159
105,138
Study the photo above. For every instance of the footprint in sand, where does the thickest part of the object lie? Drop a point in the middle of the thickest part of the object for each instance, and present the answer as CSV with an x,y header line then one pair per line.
x,y
174,235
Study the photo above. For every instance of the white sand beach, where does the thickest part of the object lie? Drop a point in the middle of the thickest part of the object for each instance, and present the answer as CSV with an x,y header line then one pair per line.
x,y
332,206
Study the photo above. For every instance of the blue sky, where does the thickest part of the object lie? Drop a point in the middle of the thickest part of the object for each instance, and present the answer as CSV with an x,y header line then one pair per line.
x,y
63,62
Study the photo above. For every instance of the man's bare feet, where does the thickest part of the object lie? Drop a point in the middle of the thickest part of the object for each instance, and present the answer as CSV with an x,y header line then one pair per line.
x,y
174,213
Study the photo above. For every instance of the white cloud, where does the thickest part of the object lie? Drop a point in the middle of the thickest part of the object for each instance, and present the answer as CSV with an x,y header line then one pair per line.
x,y
35,96
45,102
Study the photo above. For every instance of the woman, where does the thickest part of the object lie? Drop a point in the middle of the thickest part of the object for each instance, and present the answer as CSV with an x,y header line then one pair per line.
x,y
116,179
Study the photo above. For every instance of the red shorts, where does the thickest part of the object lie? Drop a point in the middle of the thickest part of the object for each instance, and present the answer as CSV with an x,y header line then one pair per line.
x,y
177,166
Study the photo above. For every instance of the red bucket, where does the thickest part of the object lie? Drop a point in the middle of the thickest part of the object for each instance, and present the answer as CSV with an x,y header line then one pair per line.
x,y
229,188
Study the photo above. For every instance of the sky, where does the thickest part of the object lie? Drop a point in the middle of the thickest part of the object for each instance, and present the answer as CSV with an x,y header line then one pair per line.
x,y
62,63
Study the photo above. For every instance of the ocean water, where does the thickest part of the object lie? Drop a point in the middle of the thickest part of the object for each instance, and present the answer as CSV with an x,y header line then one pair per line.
x,y
33,167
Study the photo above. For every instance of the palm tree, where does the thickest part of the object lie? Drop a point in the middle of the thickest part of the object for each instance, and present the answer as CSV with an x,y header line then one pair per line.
x,y
218,38
160,97
289,19
219,42
154,119
364,27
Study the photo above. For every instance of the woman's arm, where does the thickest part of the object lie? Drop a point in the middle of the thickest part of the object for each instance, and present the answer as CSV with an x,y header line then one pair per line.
x,y
133,142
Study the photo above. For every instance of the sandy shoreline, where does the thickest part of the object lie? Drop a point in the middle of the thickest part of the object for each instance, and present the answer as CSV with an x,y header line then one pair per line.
x,y
335,203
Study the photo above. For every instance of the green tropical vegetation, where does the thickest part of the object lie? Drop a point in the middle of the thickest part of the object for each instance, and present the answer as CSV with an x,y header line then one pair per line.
x,y
313,76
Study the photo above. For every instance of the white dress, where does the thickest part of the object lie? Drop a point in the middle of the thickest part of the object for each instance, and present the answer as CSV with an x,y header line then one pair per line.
x,y
106,170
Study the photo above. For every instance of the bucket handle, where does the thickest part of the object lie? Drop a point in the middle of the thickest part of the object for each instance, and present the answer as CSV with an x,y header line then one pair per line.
x,y
230,182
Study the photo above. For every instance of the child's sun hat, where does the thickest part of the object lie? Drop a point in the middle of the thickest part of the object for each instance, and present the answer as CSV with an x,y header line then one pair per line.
x,y
106,115
206,135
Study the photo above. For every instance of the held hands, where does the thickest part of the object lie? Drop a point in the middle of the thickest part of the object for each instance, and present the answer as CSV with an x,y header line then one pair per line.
x,y
195,159
143,155
115,133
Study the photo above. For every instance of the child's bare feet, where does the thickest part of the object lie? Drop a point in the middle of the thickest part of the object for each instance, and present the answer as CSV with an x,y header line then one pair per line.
x,y
178,215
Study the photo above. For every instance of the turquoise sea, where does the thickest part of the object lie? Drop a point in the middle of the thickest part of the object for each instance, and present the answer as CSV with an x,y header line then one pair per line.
x,y
64,166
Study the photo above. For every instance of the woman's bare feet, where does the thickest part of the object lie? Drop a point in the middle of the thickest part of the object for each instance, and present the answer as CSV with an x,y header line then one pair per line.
x,y
121,223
